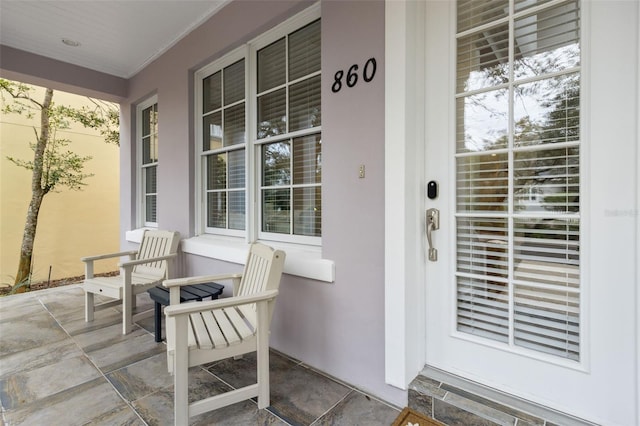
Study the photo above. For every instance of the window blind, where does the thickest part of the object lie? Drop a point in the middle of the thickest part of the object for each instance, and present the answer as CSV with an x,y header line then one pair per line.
x,y
149,163
289,100
223,141
518,174
304,51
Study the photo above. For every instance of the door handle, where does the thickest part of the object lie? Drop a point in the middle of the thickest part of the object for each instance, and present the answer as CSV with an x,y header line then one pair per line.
x,y
433,224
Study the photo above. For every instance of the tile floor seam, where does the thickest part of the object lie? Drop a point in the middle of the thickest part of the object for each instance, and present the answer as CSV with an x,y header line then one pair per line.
x,y
102,374
348,398
202,367
332,407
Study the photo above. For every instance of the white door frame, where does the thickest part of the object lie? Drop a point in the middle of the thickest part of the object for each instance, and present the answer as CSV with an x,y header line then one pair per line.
x,y
404,192
405,186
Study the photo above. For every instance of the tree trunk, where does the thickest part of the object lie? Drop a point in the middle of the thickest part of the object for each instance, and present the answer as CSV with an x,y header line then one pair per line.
x,y
23,276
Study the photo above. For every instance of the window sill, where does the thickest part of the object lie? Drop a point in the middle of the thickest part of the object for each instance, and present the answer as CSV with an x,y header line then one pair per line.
x,y
304,261
135,235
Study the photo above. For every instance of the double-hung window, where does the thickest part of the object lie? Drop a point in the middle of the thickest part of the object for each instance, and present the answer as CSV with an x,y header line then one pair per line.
x,y
147,114
259,137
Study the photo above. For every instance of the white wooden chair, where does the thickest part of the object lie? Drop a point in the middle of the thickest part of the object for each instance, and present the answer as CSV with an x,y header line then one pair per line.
x,y
147,267
207,331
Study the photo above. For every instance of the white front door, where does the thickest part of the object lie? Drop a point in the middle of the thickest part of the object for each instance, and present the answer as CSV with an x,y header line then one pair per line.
x,y
532,292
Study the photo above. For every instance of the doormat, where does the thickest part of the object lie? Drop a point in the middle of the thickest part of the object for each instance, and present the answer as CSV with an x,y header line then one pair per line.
x,y
409,417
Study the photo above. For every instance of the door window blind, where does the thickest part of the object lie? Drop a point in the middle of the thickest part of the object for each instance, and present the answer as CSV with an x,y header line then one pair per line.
x,y
518,174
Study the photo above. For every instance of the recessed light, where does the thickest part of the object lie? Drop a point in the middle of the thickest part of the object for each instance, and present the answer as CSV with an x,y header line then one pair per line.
x,y
70,42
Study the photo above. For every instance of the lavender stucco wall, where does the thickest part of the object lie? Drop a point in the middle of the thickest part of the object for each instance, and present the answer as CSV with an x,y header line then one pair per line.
x,y
338,327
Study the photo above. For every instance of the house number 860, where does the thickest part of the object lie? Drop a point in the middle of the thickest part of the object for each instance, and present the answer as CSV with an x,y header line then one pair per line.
x,y
351,80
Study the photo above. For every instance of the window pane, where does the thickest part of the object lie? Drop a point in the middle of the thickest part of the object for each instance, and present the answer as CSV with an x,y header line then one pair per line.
x,y
276,207
272,119
304,104
547,321
217,171
146,150
150,208
271,66
153,148
473,13
307,211
146,121
483,183
483,303
304,51
217,209
234,83
154,120
547,181
150,135
236,210
547,111
307,160
547,251
212,131
276,164
482,249
483,309
483,121
150,180
547,254
547,42
236,169
234,125
483,59
211,92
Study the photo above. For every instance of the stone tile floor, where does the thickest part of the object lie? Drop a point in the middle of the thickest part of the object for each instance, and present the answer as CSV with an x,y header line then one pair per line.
x,y
56,369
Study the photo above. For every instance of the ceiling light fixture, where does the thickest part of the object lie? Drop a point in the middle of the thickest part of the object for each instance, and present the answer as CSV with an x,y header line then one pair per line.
x,y
70,42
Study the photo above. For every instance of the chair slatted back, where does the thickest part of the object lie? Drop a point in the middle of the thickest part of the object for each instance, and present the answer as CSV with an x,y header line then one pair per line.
x,y
262,271
154,244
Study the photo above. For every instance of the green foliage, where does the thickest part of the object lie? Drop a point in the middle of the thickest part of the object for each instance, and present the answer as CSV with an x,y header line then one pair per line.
x,y
61,168
53,166
21,286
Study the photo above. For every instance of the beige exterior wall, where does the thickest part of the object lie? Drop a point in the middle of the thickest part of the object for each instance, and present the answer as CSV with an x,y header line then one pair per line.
x,y
71,224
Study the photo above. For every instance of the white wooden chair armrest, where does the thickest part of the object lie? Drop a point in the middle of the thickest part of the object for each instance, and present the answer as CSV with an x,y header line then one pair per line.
x,y
129,263
191,308
140,270
174,284
108,256
178,282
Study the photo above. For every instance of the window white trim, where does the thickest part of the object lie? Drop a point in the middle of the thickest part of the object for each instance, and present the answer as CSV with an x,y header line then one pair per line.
x,y
301,261
252,145
140,191
135,235
218,65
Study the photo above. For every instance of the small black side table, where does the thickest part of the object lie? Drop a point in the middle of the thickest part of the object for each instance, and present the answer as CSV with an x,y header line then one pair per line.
x,y
188,293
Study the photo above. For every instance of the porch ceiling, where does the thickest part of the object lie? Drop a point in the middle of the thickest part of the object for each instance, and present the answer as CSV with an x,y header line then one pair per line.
x,y
116,37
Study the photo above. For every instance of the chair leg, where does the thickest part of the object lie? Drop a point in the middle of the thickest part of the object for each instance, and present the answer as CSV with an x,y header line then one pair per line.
x,y
263,357
181,374
127,309
88,306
